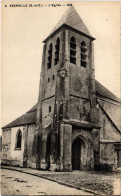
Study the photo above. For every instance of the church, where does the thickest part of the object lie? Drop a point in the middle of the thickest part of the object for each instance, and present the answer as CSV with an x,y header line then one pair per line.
x,y
76,123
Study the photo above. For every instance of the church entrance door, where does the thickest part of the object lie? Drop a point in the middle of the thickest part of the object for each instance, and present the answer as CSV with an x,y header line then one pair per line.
x,y
76,154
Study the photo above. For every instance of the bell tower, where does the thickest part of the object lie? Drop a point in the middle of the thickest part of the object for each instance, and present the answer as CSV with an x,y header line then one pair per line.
x,y
67,92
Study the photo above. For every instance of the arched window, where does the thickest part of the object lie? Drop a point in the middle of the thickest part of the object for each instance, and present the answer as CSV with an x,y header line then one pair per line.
x,y
50,56
83,54
57,50
18,139
73,50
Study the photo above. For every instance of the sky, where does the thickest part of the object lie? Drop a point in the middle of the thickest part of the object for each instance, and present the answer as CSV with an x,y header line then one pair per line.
x,y
23,31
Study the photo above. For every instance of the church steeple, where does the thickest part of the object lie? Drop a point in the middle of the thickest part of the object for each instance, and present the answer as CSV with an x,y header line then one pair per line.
x,y
71,19
67,88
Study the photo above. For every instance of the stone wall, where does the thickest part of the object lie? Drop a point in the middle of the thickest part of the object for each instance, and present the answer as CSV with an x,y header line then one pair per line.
x,y
108,129
6,146
65,147
80,76
109,116
49,86
14,156
109,134
80,86
32,139
79,108
45,107
108,156
17,154
27,155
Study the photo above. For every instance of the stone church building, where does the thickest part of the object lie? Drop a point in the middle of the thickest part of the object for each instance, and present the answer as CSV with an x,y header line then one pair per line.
x,y
76,123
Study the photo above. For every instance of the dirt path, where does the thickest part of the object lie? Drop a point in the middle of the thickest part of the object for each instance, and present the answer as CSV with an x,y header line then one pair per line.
x,y
16,183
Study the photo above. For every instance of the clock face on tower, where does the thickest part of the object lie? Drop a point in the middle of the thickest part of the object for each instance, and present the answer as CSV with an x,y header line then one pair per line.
x,y
62,73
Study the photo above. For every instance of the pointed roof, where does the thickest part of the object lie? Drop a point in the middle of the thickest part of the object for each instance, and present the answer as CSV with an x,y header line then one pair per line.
x,y
72,19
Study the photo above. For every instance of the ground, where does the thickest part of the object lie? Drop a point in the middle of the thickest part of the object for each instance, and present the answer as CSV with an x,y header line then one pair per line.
x,y
16,183
99,183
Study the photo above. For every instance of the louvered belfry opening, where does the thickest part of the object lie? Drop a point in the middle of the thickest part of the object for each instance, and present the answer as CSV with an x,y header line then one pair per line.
x,y
50,56
83,54
73,50
57,50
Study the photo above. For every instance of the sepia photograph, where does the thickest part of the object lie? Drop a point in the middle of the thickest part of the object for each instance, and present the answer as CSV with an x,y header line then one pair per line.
x,y
60,98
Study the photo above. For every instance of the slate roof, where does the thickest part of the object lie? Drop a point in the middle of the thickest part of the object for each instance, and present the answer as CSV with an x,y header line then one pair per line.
x,y
30,116
72,19
104,92
34,108
25,119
